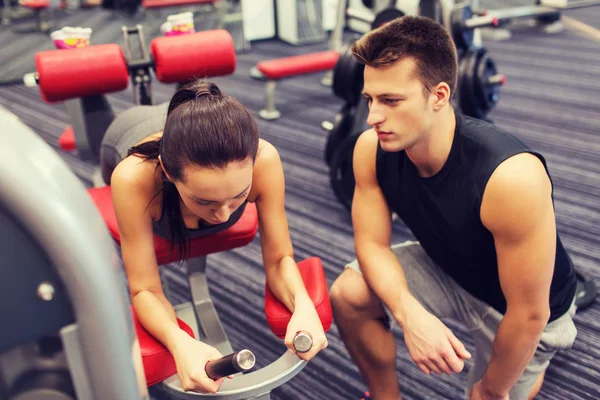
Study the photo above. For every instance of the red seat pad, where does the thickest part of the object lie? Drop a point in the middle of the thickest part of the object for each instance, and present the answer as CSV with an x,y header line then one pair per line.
x,y
85,71
178,59
238,235
173,3
35,4
158,361
66,141
298,65
313,275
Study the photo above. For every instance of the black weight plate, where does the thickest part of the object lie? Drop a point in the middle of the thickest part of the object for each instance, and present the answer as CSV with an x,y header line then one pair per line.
x,y
486,95
348,76
464,86
463,36
342,127
385,16
432,10
368,3
341,174
468,76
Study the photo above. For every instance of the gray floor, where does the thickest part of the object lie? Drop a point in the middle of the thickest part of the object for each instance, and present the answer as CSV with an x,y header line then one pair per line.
x,y
550,101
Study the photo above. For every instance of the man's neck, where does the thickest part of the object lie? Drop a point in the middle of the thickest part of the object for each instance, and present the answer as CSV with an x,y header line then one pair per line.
x,y
430,154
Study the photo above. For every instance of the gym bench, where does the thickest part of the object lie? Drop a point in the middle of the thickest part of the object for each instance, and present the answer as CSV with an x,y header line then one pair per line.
x,y
273,70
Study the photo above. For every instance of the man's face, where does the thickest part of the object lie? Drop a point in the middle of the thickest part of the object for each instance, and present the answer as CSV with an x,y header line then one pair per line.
x,y
398,110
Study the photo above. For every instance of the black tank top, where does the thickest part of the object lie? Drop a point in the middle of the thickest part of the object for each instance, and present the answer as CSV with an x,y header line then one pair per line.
x,y
161,226
443,211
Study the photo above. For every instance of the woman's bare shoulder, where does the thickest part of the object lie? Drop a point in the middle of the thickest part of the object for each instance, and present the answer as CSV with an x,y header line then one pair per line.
x,y
137,180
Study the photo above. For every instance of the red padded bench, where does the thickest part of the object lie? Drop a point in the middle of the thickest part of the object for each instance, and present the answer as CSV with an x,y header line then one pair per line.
x,y
238,235
276,69
158,362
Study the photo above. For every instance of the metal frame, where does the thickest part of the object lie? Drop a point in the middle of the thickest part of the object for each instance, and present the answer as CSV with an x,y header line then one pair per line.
x,y
82,253
269,112
90,118
202,317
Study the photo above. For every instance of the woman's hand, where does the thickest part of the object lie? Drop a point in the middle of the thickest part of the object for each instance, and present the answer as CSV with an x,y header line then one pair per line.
x,y
306,319
191,357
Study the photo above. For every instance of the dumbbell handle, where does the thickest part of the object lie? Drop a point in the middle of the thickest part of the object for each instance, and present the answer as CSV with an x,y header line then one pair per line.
x,y
303,342
480,22
498,79
239,361
244,360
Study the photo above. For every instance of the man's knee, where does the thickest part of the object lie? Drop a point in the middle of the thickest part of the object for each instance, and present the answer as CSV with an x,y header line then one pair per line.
x,y
351,296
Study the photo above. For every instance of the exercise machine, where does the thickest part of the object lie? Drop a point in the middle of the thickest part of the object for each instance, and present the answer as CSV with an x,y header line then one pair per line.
x,y
71,332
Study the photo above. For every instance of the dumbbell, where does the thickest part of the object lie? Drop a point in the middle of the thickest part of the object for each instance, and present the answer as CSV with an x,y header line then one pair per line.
x,y
244,360
478,83
463,22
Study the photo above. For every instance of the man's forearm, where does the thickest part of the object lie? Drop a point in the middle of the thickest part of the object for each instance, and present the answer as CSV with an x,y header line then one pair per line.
x,y
386,278
516,341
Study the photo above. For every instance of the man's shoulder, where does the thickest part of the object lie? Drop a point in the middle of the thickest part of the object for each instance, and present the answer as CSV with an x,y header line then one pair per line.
x,y
487,135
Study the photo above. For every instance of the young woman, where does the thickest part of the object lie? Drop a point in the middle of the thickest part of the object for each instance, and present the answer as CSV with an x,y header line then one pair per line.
x,y
189,176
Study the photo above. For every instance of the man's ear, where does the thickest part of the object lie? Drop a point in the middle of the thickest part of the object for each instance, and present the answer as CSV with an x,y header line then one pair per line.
x,y
442,94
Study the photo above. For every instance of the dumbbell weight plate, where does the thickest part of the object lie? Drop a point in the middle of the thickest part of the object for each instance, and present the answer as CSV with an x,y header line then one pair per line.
x,y
486,94
467,71
341,175
476,97
342,126
462,36
348,76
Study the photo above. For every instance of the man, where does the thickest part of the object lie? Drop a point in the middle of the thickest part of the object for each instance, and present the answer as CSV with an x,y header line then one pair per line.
x,y
480,204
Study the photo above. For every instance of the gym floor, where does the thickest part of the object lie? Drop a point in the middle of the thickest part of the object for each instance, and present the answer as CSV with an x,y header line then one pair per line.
x,y
550,101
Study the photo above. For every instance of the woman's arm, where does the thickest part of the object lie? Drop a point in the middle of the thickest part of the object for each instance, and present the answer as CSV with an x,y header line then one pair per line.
x,y
132,191
268,189
283,276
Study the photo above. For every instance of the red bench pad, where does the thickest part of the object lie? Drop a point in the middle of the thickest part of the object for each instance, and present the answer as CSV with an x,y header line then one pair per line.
x,y
313,275
86,71
173,3
238,235
158,362
178,59
35,4
298,65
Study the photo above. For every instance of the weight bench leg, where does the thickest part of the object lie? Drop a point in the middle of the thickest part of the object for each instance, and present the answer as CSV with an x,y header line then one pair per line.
x,y
209,325
269,112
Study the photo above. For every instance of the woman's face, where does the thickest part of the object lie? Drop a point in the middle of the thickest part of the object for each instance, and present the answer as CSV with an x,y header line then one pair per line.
x,y
214,194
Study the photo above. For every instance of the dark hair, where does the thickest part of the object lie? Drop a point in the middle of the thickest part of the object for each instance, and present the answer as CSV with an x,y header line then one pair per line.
x,y
421,38
204,128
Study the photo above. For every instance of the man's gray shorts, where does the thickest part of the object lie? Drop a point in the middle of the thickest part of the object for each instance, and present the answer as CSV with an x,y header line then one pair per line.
x,y
444,298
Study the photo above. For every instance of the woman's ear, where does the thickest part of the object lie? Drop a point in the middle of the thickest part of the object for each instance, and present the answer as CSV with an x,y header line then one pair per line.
x,y
163,169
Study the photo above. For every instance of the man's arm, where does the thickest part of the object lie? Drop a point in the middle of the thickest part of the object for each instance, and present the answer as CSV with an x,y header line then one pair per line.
x,y
371,219
432,346
517,209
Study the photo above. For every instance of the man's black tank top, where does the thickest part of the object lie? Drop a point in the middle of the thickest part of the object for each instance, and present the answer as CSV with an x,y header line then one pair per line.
x,y
443,211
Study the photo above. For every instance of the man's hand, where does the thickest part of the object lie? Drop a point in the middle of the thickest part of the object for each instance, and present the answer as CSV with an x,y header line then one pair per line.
x,y
478,392
432,346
